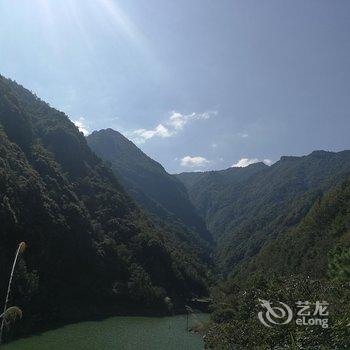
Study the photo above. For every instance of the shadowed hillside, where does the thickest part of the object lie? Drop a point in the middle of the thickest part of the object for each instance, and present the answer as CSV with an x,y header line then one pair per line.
x,y
91,250
158,192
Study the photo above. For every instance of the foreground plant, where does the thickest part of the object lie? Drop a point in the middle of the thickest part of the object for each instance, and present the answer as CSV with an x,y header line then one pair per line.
x,y
12,313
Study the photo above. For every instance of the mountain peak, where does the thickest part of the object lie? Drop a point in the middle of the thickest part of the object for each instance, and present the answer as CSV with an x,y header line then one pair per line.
x,y
147,181
109,132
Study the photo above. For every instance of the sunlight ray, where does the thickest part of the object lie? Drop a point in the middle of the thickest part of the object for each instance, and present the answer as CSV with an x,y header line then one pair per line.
x,y
124,28
72,11
49,26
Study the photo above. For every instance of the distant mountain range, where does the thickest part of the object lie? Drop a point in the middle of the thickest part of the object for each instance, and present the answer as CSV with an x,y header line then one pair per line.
x,y
248,208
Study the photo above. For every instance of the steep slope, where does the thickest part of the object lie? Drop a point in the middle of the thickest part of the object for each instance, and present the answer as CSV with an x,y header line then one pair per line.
x,y
318,246
147,181
255,205
91,250
212,193
310,262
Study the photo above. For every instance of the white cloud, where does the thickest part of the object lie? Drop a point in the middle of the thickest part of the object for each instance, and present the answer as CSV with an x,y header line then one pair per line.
x,y
170,127
244,162
268,162
160,130
243,135
177,120
192,162
80,124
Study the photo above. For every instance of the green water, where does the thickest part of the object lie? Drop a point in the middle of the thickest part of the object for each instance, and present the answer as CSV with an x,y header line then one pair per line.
x,y
124,333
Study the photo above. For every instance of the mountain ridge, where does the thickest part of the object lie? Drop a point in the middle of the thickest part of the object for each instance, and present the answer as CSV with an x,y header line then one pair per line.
x,y
244,213
147,181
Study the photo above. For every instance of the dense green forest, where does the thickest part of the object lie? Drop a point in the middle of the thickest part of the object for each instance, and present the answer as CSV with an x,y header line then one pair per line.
x,y
158,192
310,263
91,250
247,208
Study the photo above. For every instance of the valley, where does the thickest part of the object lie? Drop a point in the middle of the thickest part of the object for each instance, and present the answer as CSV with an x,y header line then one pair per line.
x,y
110,232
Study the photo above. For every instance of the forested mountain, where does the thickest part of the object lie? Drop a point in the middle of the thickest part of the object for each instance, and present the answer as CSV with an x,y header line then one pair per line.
x,y
212,193
91,250
318,247
147,181
246,208
310,262
284,235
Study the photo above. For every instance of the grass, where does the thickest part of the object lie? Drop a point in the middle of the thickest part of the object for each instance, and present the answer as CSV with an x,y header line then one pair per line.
x,y
12,313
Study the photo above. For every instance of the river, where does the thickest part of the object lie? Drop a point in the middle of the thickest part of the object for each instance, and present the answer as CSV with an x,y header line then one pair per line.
x,y
124,333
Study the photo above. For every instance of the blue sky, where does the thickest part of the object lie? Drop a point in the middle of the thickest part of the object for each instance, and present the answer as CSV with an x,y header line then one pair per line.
x,y
197,84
